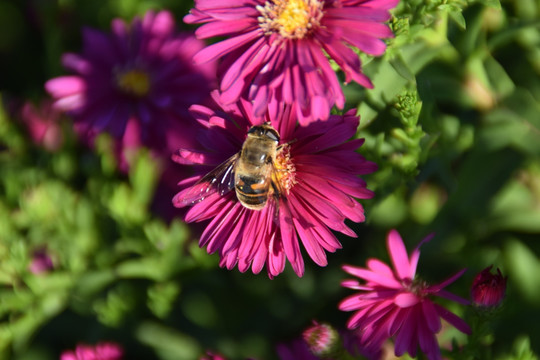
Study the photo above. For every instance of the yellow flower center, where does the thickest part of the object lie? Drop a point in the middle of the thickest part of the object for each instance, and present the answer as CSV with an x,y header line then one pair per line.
x,y
285,172
292,19
134,82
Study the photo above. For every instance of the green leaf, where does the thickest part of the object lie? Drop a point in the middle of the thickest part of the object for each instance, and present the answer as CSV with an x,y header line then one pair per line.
x,y
161,297
402,68
523,268
493,3
458,18
168,343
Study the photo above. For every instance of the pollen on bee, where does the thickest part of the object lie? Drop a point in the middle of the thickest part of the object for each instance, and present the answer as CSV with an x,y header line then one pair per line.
x,y
285,169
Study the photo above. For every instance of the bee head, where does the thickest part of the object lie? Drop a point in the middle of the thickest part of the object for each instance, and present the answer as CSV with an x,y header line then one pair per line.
x,y
264,131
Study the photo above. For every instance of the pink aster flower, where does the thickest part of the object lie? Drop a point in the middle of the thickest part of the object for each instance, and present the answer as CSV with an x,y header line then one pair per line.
x,y
279,49
101,351
392,303
141,77
315,170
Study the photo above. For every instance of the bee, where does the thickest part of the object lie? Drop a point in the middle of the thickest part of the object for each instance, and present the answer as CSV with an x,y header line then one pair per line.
x,y
251,172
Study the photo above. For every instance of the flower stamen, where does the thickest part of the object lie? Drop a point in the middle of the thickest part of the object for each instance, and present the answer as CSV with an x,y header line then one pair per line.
x,y
292,19
285,174
133,82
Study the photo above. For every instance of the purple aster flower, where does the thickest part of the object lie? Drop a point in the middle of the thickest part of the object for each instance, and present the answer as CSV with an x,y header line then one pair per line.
x,y
140,76
279,49
314,183
101,351
392,303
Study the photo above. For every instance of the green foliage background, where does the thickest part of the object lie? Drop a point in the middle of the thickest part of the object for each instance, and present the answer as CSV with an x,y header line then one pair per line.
x,y
453,122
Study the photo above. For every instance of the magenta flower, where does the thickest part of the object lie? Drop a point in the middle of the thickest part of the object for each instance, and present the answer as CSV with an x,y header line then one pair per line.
x,y
316,169
140,76
101,351
277,49
488,289
393,303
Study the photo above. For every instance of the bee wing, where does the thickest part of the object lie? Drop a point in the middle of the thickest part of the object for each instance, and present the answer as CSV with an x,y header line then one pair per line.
x,y
220,180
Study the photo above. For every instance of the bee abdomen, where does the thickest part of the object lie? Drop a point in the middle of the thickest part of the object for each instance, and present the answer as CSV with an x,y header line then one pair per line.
x,y
252,191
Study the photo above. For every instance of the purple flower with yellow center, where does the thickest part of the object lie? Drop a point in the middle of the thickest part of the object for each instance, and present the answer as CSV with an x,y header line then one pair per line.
x,y
274,185
280,49
140,76
392,303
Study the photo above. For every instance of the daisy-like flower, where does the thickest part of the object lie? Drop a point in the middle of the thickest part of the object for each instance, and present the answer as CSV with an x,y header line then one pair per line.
x,y
277,49
141,77
315,168
392,303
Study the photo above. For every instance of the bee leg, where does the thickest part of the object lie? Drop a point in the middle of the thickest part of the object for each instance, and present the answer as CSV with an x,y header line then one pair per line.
x,y
287,143
276,196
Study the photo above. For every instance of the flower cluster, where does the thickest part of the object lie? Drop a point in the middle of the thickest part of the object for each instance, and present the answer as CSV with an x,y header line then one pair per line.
x,y
276,173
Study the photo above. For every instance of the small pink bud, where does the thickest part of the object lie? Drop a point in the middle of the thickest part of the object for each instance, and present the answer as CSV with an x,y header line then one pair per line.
x,y
321,339
488,289
41,262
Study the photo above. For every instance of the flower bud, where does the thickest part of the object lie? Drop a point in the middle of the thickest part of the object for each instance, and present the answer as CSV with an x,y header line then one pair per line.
x,y
488,289
322,339
41,262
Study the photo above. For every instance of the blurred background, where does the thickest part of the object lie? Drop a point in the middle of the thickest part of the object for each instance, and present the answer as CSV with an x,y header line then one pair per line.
x,y
453,123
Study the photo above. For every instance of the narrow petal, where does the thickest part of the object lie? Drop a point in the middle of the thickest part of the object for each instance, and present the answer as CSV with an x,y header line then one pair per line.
x,y
219,49
398,254
453,319
372,277
431,316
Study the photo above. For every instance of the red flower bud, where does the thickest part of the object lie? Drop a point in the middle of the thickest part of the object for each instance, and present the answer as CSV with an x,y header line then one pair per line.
x,y
488,289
